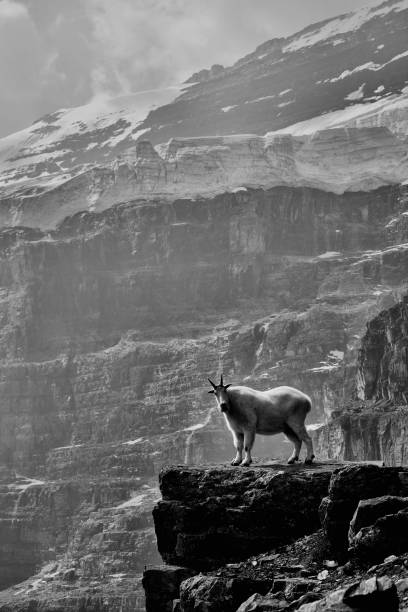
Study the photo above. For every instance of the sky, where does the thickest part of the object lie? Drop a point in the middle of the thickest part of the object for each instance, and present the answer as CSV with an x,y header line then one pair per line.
x,y
63,53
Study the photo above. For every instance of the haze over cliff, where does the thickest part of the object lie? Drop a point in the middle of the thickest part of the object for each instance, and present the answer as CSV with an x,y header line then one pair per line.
x,y
254,225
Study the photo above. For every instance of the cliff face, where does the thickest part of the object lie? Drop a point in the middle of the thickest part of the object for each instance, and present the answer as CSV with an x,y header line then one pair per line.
x,y
123,286
112,322
229,526
335,160
383,360
378,428
126,312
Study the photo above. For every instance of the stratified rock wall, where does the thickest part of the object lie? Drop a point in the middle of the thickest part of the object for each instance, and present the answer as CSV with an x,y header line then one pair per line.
x,y
111,323
383,360
372,435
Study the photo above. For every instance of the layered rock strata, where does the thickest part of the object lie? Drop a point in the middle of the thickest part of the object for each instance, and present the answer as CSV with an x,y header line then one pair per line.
x,y
335,160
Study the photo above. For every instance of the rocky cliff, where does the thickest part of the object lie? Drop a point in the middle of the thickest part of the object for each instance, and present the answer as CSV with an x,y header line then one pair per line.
x,y
111,324
376,425
233,534
123,286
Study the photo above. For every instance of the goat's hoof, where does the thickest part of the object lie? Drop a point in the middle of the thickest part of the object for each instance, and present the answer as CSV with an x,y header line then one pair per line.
x,y
309,461
246,463
292,460
233,462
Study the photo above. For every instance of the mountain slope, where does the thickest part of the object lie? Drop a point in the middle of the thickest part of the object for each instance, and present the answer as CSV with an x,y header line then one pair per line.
x,y
354,65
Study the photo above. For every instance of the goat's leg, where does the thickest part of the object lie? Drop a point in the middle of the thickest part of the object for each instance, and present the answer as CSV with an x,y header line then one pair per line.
x,y
249,439
239,445
301,432
296,441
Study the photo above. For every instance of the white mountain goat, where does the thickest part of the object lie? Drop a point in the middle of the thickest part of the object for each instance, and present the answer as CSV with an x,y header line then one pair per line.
x,y
248,412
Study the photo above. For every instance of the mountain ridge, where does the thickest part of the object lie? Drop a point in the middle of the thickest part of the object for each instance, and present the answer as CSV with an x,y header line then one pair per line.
x,y
268,90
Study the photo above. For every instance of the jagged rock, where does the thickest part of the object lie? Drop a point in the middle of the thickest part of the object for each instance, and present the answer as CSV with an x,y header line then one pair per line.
x,y
374,595
371,435
388,534
383,370
162,586
369,510
296,587
347,487
260,603
219,594
211,516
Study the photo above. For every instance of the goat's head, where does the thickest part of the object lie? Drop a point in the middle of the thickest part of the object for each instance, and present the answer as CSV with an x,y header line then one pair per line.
x,y
220,392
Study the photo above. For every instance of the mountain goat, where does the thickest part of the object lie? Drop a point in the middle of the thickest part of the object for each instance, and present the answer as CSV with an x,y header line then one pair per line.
x,y
248,412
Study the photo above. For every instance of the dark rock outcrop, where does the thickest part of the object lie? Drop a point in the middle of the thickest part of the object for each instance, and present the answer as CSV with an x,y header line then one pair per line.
x,y
374,594
369,510
388,535
212,516
220,594
347,487
162,585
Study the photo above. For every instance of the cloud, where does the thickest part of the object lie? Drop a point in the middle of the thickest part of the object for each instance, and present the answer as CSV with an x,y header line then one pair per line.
x,y
60,53
11,10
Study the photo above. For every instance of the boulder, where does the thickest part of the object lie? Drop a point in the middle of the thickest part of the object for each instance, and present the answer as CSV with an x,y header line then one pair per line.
x,y
372,595
369,510
387,536
162,584
347,487
218,593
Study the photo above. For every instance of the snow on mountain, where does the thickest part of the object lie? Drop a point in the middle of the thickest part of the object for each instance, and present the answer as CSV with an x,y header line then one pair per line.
x,y
61,144
344,24
390,112
348,71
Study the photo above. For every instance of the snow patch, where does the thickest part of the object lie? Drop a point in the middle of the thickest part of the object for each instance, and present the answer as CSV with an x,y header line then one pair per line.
x,y
346,73
28,482
341,25
194,427
329,255
259,99
131,442
314,426
226,109
284,92
358,94
282,104
351,114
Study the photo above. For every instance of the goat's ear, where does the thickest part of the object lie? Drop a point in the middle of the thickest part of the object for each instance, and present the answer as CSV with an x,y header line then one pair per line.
x,y
212,391
226,386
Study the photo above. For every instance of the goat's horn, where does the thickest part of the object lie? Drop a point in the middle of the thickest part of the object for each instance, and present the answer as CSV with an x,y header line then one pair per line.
x,y
212,384
221,381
